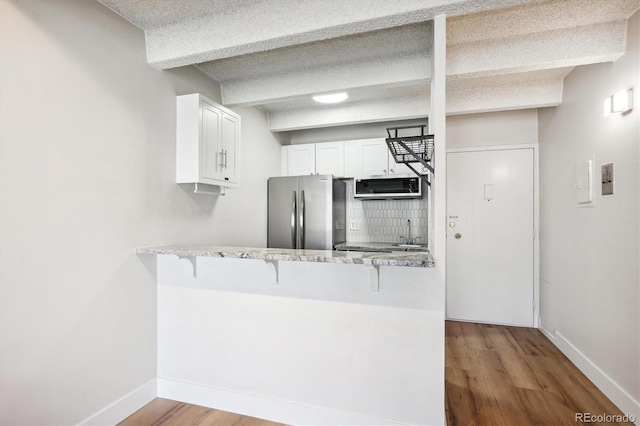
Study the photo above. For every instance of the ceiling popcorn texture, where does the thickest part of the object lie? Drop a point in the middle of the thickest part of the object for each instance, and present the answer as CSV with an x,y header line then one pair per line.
x,y
276,54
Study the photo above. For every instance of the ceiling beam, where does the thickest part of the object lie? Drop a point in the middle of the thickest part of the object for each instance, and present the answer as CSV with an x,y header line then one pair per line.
x,y
554,49
233,31
353,78
391,109
504,97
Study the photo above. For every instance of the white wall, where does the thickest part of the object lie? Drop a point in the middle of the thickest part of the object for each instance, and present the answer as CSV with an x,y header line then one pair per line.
x,y
492,129
319,348
87,174
590,299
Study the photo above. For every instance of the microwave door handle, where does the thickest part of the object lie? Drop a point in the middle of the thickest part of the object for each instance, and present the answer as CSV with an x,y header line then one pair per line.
x,y
301,220
294,211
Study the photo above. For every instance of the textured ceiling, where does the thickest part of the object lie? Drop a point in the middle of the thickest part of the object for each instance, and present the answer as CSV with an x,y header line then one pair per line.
x,y
501,54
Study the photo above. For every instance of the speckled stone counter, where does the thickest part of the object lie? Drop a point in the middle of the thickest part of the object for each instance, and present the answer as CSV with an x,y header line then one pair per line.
x,y
396,258
379,247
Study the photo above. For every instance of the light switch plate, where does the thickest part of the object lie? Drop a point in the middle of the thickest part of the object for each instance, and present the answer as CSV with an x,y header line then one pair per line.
x,y
607,179
584,183
355,225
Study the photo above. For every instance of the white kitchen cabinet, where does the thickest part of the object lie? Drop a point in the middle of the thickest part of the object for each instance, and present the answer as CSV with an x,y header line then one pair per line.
x,y
313,159
207,142
372,158
343,159
330,158
352,159
373,155
299,159
402,169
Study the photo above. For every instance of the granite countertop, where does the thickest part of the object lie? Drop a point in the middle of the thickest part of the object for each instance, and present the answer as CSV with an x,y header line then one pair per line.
x,y
379,247
396,258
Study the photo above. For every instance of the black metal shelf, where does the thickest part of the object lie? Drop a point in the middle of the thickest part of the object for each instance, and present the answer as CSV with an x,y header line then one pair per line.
x,y
412,149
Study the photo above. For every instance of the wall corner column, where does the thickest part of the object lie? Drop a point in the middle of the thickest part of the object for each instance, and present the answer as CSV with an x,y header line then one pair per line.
x,y
437,127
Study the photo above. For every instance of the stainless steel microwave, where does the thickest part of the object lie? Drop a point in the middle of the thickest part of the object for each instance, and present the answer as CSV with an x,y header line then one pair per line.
x,y
388,188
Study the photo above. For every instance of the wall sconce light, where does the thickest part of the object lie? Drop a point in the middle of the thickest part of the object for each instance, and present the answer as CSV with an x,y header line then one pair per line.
x,y
619,103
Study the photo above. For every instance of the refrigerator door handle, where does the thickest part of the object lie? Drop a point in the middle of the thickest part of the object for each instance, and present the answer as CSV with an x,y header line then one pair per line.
x,y
293,221
302,224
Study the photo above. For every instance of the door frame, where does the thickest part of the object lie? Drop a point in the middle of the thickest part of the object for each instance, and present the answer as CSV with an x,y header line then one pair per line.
x,y
536,216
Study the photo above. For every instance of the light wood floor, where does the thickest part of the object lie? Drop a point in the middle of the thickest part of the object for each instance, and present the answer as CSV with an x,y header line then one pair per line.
x,y
172,413
494,375
498,375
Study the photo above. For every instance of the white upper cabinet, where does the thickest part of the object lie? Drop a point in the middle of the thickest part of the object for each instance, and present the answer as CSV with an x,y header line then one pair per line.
x,y
343,159
373,155
300,159
207,142
352,159
372,158
230,145
400,168
313,159
330,158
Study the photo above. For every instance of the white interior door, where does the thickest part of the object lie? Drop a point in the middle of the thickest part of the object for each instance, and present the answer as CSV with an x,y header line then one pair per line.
x,y
490,236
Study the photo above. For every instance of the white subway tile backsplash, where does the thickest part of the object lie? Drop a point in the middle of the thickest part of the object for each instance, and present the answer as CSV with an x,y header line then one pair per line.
x,y
384,221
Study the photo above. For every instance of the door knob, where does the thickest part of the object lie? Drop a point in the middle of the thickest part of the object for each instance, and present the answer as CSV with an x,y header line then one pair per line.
x,y
458,235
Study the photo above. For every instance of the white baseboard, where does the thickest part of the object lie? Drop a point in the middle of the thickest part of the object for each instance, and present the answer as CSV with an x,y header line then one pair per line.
x,y
276,410
123,407
606,384
547,333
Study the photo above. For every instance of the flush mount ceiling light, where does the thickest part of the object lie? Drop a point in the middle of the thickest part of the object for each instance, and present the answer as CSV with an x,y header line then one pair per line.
x,y
332,98
619,103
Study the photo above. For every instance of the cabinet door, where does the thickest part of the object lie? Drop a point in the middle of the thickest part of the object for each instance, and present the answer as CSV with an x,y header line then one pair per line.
x,y
301,160
352,159
330,158
211,161
374,154
400,168
230,148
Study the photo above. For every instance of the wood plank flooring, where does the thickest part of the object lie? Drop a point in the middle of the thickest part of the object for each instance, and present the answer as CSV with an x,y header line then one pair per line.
x,y
494,375
497,375
162,411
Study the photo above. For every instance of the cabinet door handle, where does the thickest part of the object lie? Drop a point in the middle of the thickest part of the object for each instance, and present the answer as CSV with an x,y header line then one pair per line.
x,y
391,171
384,170
221,158
224,152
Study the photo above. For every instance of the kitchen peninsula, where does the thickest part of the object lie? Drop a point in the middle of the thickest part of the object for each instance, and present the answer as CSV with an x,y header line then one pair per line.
x,y
302,336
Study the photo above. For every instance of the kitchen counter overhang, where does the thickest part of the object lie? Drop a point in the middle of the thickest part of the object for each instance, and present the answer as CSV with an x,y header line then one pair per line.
x,y
396,258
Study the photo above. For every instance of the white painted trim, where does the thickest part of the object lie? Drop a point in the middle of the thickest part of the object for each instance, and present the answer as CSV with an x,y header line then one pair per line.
x,y
123,407
546,333
606,384
536,241
277,410
536,217
438,127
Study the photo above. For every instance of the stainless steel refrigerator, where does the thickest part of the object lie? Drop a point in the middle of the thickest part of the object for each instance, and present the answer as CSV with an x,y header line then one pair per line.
x,y
306,212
